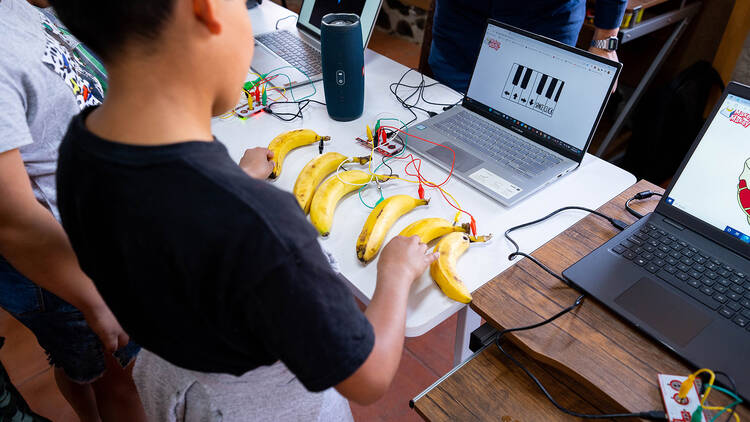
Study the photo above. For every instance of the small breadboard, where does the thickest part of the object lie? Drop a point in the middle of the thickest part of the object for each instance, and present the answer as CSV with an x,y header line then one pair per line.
x,y
679,410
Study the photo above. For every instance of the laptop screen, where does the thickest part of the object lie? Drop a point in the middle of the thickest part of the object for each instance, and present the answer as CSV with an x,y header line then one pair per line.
x,y
713,186
312,12
548,93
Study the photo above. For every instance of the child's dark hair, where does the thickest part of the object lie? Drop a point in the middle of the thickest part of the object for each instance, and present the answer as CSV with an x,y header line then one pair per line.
x,y
105,26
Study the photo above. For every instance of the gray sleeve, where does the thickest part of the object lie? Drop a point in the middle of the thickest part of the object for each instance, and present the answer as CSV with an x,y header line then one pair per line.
x,y
14,129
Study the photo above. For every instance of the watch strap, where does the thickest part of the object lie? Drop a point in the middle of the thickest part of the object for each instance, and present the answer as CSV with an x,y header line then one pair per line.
x,y
610,43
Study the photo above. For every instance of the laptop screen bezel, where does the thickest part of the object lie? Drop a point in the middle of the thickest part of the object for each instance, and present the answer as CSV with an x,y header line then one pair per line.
x,y
483,109
686,219
316,36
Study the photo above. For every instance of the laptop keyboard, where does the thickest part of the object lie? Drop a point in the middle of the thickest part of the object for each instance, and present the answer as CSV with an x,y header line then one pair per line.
x,y
505,148
292,49
715,284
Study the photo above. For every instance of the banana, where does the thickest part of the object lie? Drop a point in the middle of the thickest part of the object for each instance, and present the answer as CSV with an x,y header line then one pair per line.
x,y
443,270
429,229
314,173
287,141
330,193
380,220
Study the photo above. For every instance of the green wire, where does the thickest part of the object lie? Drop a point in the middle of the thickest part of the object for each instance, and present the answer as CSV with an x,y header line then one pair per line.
x,y
291,90
403,150
729,393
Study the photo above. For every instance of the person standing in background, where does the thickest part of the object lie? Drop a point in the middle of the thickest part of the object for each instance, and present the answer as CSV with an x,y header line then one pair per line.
x,y
459,26
47,77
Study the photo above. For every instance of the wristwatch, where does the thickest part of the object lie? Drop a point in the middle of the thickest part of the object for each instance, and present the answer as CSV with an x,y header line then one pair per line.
x,y
610,43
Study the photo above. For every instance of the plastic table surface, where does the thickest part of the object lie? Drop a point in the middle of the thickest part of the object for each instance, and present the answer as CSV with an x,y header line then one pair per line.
x,y
591,185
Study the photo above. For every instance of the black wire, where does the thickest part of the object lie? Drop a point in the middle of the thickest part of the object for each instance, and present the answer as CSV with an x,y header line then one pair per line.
x,y
734,390
418,91
638,197
288,117
652,415
518,252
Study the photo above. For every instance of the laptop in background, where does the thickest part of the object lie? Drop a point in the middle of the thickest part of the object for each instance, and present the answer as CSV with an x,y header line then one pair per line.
x,y
300,48
682,274
530,113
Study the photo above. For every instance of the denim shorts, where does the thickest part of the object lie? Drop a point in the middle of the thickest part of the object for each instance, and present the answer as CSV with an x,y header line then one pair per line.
x,y
59,327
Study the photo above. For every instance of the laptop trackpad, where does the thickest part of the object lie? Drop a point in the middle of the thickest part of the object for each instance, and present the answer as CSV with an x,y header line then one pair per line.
x,y
672,316
464,160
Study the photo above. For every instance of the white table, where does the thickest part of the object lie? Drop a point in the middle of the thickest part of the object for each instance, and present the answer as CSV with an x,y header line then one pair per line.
x,y
593,184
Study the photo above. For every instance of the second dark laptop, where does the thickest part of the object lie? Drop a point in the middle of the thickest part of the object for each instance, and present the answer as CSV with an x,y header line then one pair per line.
x,y
682,273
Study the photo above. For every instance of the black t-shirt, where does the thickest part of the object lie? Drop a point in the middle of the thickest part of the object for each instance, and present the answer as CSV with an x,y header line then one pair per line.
x,y
208,268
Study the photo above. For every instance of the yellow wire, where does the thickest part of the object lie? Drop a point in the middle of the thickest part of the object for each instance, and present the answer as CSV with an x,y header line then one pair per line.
x,y
710,382
416,182
732,411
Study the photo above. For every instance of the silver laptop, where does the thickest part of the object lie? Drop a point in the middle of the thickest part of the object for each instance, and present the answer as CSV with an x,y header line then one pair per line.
x,y
528,117
296,53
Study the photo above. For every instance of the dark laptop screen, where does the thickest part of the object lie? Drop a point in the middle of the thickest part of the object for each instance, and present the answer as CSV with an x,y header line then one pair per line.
x,y
714,186
541,88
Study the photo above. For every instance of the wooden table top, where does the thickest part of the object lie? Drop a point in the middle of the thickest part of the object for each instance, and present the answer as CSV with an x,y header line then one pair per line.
x,y
590,360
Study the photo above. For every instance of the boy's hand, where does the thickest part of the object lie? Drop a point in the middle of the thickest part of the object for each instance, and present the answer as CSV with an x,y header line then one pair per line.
x,y
404,256
257,162
104,324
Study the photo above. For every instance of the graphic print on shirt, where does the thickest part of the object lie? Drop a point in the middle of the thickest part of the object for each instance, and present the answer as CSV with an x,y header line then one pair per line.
x,y
59,57
533,89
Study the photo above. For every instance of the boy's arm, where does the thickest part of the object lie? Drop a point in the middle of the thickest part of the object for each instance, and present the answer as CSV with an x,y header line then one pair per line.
x,y
401,262
36,245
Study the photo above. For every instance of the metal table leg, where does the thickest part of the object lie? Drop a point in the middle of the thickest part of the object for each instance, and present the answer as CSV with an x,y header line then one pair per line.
x,y
468,321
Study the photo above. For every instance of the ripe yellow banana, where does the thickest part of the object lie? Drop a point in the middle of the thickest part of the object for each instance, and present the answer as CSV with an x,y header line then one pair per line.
x,y
429,229
380,221
330,193
314,173
443,270
287,141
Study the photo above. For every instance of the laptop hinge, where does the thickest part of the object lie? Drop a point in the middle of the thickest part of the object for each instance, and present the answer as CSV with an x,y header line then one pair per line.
x,y
674,224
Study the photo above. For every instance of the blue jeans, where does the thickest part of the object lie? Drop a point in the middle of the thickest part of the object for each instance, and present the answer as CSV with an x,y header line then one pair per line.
x,y
59,327
459,27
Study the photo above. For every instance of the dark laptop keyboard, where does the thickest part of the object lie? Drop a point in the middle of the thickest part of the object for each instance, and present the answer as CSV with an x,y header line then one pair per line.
x,y
711,282
292,49
503,147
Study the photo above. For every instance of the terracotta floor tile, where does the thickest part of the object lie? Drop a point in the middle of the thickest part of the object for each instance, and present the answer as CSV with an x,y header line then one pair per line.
x,y
400,50
22,356
435,349
412,377
44,398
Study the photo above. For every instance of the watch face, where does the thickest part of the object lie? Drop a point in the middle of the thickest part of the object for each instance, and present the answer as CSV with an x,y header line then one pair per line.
x,y
613,41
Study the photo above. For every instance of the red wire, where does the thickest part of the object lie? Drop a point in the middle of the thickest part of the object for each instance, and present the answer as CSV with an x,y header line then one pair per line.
x,y
417,164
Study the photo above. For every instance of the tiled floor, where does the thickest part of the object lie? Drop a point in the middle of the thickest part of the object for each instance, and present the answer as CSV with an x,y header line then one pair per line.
x,y
423,361
28,369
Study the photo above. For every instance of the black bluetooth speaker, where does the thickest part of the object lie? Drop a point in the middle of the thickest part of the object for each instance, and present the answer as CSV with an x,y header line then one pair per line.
x,y
343,60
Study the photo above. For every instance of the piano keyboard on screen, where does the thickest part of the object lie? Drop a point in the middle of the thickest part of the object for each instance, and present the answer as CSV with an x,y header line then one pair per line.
x,y
533,89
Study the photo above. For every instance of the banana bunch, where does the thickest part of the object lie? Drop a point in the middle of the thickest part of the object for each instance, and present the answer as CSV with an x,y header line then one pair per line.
x,y
315,171
443,270
329,194
287,141
429,229
380,221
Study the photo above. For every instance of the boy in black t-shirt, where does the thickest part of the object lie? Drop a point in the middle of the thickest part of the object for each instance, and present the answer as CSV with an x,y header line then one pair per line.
x,y
203,262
